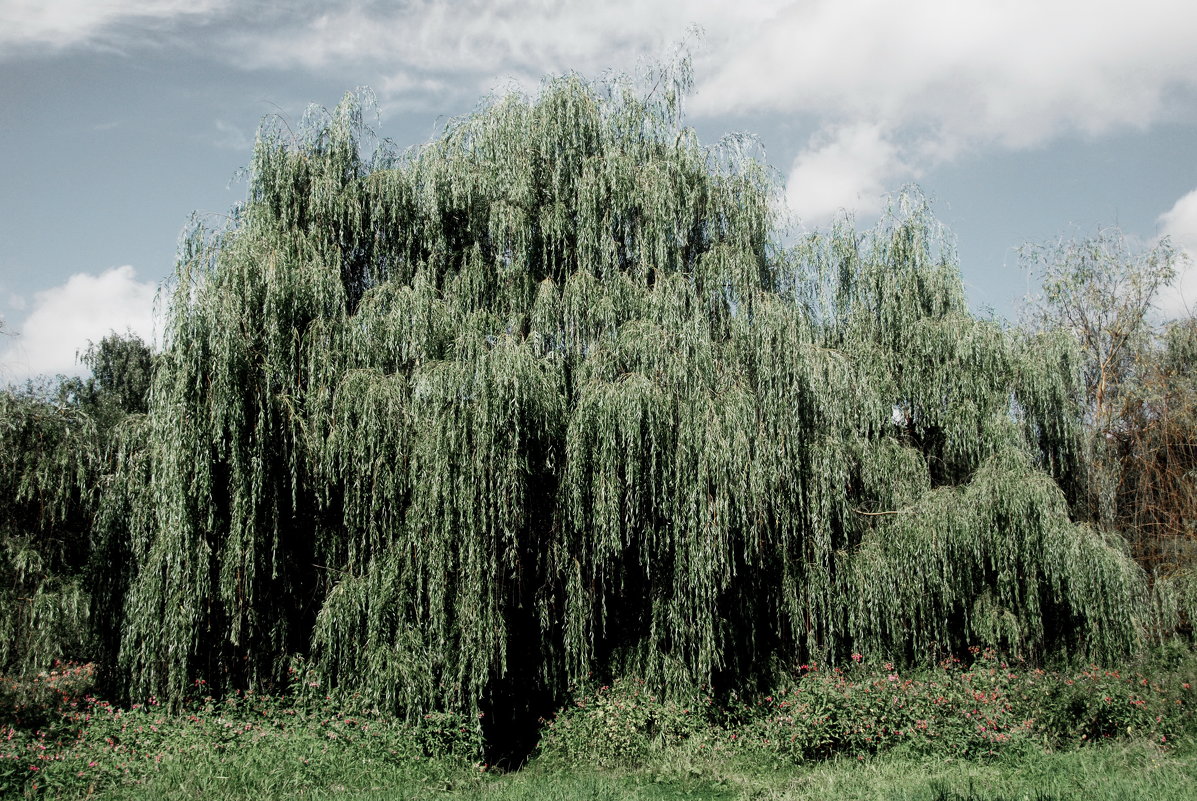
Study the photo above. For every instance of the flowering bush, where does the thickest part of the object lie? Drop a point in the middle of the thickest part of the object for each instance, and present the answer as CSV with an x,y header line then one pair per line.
x,y
41,699
79,745
985,708
1097,704
982,708
37,713
859,710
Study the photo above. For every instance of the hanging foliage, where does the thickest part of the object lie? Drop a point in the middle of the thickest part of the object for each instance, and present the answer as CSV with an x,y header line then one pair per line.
x,y
48,455
54,438
545,398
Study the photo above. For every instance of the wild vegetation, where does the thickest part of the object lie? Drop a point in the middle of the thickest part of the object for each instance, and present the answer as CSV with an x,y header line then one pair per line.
x,y
975,729
452,432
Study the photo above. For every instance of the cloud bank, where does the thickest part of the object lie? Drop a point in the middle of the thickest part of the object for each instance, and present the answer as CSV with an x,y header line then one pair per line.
x,y
932,80
28,26
891,89
1180,223
62,320
1015,72
844,169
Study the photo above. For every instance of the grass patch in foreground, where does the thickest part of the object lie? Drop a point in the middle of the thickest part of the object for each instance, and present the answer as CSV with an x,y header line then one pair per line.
x,y
988,731
1110,772
1126,771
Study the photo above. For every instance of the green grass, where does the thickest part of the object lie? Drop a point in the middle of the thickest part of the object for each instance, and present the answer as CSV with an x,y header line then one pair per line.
x,y
983,732
1117,772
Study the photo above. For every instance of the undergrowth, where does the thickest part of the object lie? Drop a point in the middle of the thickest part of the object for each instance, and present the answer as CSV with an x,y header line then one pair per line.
x,y
620,740
984,708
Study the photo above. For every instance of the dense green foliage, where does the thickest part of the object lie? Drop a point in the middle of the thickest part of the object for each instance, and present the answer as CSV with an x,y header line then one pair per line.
x,y
979,708
54,461
546,399
47,471
542,398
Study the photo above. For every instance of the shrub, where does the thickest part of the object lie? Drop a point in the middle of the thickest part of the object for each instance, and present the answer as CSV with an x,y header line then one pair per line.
x,y
620,724
986,707
865,709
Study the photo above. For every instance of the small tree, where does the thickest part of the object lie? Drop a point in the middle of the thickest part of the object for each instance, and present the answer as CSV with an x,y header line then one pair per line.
x,y
1141,393
1102,292
59,440
122,368
49,453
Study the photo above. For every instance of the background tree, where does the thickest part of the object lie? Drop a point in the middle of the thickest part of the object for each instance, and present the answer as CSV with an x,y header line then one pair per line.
x,y
1155,445
1141,392
121,370
57,441
1102,292
48,459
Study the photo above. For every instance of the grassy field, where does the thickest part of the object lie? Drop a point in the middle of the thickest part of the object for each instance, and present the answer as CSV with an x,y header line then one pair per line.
x,y
1117,772
986,731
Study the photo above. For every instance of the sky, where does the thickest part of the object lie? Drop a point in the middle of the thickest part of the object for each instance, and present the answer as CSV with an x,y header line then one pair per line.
x,y
1023,121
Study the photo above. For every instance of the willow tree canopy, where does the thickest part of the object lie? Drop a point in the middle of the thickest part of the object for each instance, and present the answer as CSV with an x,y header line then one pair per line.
x,y
546,397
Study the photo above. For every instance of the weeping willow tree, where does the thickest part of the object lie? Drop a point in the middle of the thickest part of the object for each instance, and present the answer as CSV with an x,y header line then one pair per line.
x,y
48,458
54,464
546,398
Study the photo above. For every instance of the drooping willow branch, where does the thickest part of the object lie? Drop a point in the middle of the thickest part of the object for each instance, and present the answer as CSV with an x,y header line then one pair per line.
x,y
546,398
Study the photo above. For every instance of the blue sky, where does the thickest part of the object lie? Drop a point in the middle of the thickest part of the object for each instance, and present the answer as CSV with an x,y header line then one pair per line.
x,y
1023,120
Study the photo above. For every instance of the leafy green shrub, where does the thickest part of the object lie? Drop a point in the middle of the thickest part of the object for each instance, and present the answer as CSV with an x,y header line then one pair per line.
x,y
1148,701
42,699
249,743
986,708
859,709
620,724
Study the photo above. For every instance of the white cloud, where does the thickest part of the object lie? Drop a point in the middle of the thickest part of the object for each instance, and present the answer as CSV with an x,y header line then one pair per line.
x,y
475,46
63,319
844,169
37,24
933,78
1180,223
486,36
1015,73
945,73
